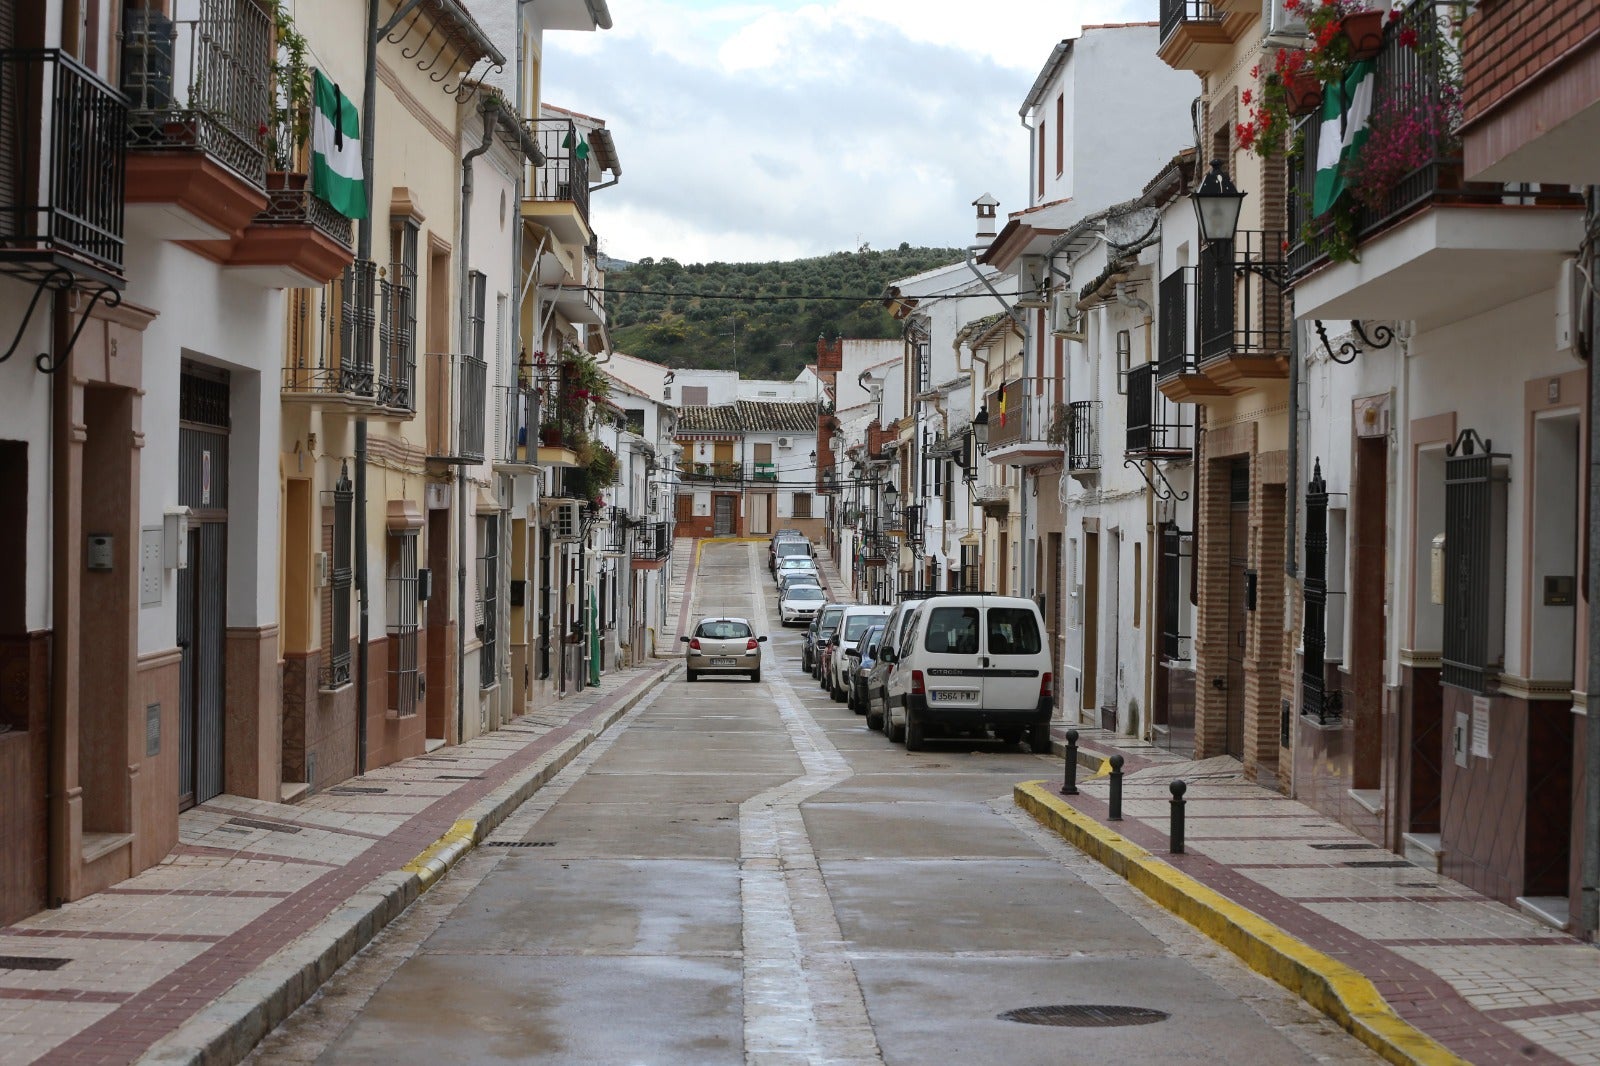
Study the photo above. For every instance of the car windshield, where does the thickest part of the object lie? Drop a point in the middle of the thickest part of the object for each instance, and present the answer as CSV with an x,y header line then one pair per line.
x,y
797,563
806,592
830,619
858,624
794,547
723,629
1013,631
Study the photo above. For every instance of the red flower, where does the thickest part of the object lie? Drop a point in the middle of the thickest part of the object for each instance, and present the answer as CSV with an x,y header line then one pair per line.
x,y
1407,37
1246,96
261,130
1285,245
1255,71
1394,13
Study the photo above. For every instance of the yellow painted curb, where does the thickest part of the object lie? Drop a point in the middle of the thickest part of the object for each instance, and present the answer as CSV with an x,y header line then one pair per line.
x,y
442,853
1340,992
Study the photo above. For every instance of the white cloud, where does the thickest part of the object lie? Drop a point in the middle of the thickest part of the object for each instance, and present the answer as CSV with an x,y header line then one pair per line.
x,y
783,129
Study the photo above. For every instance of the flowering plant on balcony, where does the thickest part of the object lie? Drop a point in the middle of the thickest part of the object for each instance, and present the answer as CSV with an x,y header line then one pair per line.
x,y
288,127
1408,131
1339,32
1286,90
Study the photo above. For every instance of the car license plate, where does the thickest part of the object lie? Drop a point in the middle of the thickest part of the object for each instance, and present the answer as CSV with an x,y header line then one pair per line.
x,y
953,695
722,662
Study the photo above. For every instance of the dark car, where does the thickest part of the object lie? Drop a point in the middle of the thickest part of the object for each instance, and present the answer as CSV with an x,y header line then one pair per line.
x,y
784,547
860,659
817,634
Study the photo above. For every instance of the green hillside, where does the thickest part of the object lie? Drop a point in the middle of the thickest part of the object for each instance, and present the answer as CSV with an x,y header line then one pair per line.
x,y
695,314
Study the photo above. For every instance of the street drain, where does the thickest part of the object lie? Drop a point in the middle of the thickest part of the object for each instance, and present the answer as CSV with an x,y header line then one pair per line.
x,y
1389,864
358,790
458,777
1345,847
271,827
1085,1015
519,843
30,962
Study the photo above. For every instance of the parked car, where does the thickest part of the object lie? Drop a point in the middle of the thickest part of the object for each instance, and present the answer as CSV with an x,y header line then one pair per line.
x,y
876,682
800,603
972,662
852,624
817,634
858,662
796,564
797,578
787,546
723,646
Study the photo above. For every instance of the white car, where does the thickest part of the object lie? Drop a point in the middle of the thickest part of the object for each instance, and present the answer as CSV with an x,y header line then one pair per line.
x,y
852,624
795,564
800,604
974,662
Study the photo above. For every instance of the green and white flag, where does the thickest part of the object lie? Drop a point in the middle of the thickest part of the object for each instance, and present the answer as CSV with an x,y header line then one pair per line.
x,y
336,149
1346,109
582,149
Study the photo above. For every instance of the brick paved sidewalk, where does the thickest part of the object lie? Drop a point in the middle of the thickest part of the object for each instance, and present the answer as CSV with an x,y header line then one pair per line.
x,y
260,902
1488,982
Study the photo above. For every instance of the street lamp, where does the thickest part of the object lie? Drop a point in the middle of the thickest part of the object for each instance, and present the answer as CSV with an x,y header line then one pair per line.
x,y
980,427
1216,205
891,496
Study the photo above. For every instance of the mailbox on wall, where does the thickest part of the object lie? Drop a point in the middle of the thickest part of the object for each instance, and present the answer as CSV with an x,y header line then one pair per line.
x,y
175,538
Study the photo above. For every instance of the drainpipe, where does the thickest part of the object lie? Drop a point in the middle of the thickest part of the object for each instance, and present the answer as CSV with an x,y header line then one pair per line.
x,y
486,112
1589,885
369,114
1291,509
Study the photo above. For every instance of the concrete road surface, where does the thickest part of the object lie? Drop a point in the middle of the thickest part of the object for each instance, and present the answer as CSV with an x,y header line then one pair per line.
x,y
742,873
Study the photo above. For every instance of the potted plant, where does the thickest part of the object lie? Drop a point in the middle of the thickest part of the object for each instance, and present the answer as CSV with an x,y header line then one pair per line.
x,y
289,124
1331,49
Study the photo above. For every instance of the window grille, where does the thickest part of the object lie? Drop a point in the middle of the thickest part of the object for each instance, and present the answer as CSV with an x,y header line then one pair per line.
x,y
1176,548
1314,637
404,673
337,673
488,599
1173,347
1475,479
802,505
397,323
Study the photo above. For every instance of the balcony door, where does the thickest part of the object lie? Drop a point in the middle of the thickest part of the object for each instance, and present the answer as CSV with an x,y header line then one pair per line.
x,y
1238,616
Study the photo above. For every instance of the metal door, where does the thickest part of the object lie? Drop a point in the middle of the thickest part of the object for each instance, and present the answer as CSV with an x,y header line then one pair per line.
x,y
203,412
724,516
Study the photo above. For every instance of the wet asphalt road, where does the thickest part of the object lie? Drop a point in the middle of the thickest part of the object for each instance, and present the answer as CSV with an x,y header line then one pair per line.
x,y
743,873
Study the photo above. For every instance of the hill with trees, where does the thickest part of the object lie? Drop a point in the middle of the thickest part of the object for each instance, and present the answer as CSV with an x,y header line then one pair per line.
x,y
762,319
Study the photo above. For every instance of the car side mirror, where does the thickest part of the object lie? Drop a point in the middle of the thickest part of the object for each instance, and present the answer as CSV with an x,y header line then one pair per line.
x,y
854,653
886,656
761,640
684,639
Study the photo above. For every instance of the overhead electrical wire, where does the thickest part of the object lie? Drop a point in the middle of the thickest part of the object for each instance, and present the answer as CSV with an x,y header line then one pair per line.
x,y
762,297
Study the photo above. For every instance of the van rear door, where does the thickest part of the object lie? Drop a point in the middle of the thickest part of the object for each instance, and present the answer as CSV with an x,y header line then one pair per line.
x,y
950,646
1012,643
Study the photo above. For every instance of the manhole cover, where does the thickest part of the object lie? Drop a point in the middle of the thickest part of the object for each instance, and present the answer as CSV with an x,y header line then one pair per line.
x,y
30,962
1085,1015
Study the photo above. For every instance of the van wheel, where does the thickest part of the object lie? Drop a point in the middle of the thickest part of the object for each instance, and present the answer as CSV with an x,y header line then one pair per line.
x,y
874,718
1039,738
690,675
1009,737
913,731
755,675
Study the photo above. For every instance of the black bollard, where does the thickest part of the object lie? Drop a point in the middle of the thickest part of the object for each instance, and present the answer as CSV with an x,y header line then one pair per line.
x,y
1069,780
1116,789
1175,833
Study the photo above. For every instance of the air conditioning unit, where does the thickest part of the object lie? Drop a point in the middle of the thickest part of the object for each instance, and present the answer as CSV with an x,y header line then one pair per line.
x,y
1285,29
566,522
1066,320
784,442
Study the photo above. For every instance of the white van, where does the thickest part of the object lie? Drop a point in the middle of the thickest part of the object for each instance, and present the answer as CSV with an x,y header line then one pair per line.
x,y
973,662
855,621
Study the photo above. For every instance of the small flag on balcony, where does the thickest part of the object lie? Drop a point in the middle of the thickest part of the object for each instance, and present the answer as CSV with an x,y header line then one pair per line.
x,y
1346,107
336,149
582,148
1002,406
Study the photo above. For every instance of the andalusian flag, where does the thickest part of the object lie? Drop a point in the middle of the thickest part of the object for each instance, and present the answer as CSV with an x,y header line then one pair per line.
x,y
1346,108
336,149
581,150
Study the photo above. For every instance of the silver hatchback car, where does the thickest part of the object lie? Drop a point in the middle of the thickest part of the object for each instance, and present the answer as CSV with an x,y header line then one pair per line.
x,y
723,646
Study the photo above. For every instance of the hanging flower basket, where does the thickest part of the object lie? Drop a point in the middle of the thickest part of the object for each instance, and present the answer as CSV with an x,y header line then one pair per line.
x,y
1305,93
1364,31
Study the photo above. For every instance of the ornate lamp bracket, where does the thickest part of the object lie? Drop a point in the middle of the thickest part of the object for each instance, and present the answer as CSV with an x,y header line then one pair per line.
x,y
57,281
1381,337
1158,483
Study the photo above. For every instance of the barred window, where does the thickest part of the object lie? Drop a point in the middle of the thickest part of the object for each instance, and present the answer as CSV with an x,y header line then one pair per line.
x,y
337,672
802,505
402,623
488,598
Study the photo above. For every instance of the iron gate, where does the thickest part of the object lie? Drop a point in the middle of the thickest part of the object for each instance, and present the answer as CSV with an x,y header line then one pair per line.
x,y
1475,480
203,402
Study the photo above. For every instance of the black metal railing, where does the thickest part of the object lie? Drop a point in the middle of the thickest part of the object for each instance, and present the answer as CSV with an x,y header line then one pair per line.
x,y
1157,427
342,364
1177,550
565,174
1474,562
1173,346
570,483
1083,435
297,206
202,84
652,540
1314,702
1175,13
63,134
473,390
488,627
516,422
1241,296
1409,84
397,333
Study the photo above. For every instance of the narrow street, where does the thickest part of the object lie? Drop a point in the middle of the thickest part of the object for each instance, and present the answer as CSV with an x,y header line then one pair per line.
x,y
744,873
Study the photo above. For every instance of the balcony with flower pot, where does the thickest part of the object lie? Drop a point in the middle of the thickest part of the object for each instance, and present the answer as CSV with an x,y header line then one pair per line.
x,y
199,96
1388,228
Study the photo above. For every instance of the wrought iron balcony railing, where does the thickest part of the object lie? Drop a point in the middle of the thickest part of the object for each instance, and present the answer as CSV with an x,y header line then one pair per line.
x,y
342,363
457,399
1242,302
1409,81
1157,428
1022,412
1081,434
564,176
1174,343
62,167
200,84
298,207
516,422
652,540
1176,13
397,332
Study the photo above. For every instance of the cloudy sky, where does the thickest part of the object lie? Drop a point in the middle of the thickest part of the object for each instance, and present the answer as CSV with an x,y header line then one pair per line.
x,y
777,129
